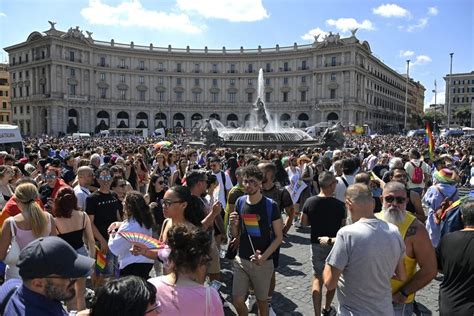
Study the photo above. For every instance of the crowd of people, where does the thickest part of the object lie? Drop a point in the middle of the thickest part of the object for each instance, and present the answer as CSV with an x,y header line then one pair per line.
x,y
385,216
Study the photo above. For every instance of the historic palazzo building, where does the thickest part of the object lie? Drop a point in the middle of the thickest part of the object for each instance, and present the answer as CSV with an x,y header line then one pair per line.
x,y
63,82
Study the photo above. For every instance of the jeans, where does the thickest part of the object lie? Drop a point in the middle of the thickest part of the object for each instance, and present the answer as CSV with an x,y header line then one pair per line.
x,y
403,309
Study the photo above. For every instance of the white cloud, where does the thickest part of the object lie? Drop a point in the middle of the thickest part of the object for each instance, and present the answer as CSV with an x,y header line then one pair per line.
x,y
422,23
132,13
421,60
391,10
309,36
433,11
406,53
347,24
231,10
3,15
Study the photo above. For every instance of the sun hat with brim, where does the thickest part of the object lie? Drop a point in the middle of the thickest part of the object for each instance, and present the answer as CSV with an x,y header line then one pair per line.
x,y
303,158
52,256
446,176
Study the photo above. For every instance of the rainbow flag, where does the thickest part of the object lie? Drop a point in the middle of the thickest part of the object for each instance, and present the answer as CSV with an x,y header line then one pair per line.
x,y
251,224
100,259
429,140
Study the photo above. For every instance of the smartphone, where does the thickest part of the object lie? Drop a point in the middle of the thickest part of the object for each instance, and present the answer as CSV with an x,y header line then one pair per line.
x,y
215,284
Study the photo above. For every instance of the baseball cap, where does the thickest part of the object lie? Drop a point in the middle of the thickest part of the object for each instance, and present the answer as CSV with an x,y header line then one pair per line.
x,y
52,255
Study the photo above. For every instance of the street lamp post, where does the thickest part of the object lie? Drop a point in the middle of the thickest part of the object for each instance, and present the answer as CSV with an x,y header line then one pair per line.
x,y
435,92
406,95
449,89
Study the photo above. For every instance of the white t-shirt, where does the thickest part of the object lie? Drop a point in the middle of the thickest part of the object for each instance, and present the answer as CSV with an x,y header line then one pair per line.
x,y
409,168
367,252
341,187
228,185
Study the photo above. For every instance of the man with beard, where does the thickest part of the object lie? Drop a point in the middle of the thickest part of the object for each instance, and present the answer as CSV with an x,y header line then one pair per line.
x,y
419,250
364,258
46,280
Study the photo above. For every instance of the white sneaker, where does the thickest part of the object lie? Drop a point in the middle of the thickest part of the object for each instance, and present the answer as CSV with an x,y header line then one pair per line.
x,y
250,302
271,312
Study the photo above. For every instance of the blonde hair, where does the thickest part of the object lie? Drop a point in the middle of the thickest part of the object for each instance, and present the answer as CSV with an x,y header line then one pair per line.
x,y
27,194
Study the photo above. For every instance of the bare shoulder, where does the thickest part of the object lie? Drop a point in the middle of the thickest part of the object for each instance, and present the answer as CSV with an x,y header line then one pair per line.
x,y
417,230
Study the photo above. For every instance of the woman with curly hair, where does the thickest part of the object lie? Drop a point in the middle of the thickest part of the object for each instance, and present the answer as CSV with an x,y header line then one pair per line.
x,y
182,292
138,218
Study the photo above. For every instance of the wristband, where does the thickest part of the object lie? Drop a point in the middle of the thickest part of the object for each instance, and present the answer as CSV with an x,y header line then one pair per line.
x,y
402,292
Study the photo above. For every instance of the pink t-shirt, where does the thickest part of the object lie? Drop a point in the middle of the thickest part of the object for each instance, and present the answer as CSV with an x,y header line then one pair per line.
x,y
186,300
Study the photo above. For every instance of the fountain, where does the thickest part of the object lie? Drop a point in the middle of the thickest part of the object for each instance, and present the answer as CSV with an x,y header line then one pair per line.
x,y
262,130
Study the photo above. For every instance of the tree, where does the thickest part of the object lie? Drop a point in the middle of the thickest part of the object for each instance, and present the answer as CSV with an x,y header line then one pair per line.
x,y
463,115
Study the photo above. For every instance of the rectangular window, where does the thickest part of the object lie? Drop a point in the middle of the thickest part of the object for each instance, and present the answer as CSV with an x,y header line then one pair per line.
x,y
214,97
4,105
160,67
14,92
250,97
102,76
122,63
214,82
267,81
14,110
122,94
71,56
333,61
27,74
285,66
161,96
303,65
214,68
250,82
232,82
303,79
196,68
13,61
333,76
43,55
14,75
250,68
285,80
21,92
267,96
178,81
160,80
454,90
285,96
141,65
27,91
72,89
19,60
43,88
232,97
102,61
142,95
21,109
122,78
232,68
179,96
178,67
27,109
72,72
268,67
43,71
332,93
303,96
196,97
20,74
196,81
103,93
1,93
141,79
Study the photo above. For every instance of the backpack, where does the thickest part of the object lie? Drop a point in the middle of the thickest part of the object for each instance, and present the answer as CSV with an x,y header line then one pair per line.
x,y
451,220
417,174
444,207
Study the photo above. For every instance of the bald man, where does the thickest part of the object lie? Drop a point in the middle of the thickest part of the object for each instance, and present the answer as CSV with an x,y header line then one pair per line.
x,y
364,258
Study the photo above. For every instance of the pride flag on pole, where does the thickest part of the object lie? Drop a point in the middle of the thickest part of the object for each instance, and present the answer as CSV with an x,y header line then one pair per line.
x,y
251,224
429,140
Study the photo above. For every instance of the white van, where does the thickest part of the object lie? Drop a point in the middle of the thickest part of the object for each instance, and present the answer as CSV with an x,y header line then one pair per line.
x,y
80,135
10,136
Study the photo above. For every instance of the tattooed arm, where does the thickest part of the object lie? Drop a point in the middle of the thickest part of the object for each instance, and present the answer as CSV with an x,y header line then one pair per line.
x,y
424,253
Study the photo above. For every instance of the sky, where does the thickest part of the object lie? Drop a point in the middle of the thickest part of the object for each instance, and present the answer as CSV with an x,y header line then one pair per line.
x,y
424,31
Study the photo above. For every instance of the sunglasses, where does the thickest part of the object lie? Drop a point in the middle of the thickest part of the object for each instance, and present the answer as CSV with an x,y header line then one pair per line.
x,y
48,176
122,185
168,202
105,178
397,199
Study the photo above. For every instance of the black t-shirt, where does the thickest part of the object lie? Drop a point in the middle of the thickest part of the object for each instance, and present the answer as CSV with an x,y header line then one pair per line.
x,y
263,242
455,256
325,215
104,207
281,196
380,170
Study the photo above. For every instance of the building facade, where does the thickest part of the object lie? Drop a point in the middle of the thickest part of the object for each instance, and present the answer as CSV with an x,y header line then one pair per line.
x,y
460,97
5,109
64,82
